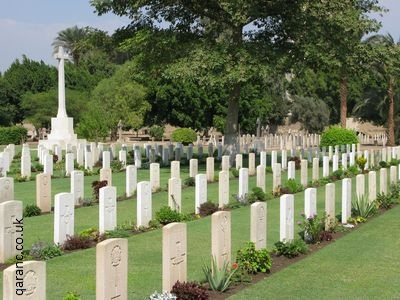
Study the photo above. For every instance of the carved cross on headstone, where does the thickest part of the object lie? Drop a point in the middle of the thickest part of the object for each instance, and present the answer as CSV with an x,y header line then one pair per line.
x,y
67,214
224,224
11,231
110,204
261,228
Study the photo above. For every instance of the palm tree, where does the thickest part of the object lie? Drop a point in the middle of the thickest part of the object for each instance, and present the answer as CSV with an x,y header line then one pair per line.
x,y
71,40
387,66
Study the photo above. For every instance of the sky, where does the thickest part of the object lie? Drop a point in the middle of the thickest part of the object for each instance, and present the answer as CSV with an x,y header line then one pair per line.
x,y
30,26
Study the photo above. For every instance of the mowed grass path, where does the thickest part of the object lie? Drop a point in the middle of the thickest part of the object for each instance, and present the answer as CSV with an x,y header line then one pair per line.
x,y
76,271
364,264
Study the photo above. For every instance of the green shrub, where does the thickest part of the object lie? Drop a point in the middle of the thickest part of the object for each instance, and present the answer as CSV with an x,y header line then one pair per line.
x,y
190,181
336,135
252,260
351,171
32,210
383,164
207,208
43,250
219,279
385,201
312,228
292,187
338,174
37,167
13,135
235,172
20,178
184,135
361,161
257,194
361,207
166,215
290,249
157,132
116,166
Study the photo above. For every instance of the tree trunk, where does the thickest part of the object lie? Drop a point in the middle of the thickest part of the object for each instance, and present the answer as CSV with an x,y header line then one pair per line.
x,y
232,118
390,124
343,100
232,115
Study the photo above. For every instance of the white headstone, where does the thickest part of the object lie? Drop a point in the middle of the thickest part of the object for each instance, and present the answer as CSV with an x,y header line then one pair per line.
x,y
175,194
11,228
112,269
315,169
144,203
77,186
69,163
43,192
210,169
131,180
106,159
48,164
175,169
360,186
344,161
200,191
6,189
261,177
223,189
239,161
310,202
63,217
243,183
258,224
276,178
291,170
383,188
33,283
174,255
225,163
325,166
107,208
26,166
263,158
286,218
329,205
346,200
155,176
221,237
193,167
371,186
335,163
252,163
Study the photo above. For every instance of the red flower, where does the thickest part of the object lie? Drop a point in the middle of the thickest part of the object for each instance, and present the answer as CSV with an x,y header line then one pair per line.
x,y
235,266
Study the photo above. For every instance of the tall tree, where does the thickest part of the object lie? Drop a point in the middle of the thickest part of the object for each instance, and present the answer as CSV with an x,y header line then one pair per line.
x,y
219,28
72,40
327,36
386,64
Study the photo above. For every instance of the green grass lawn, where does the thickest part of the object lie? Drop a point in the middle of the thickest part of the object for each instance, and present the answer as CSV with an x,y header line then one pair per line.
x,y
76,271
364,264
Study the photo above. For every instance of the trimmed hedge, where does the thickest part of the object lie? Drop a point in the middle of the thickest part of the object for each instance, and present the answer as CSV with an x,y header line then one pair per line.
x,y
184,135
13,135
336,135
